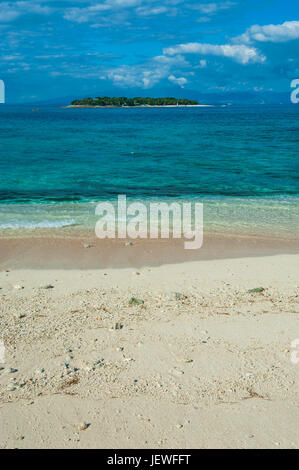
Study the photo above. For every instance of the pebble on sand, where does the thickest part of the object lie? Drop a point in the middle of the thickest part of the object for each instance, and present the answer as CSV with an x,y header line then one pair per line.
x,y
176,296
19,316
82,426
257,290
135,301
176,372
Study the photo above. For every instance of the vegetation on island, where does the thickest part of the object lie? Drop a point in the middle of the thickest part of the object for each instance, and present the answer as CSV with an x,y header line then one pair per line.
x,y
138,101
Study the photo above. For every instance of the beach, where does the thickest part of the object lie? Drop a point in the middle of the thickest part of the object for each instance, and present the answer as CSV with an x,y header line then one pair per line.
x,y
158,355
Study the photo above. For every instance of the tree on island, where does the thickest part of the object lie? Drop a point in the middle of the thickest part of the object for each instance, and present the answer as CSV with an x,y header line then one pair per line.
x,y
131,102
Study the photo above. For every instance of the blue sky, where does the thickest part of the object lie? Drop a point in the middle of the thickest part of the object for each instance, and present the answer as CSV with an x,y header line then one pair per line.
x,y
52,48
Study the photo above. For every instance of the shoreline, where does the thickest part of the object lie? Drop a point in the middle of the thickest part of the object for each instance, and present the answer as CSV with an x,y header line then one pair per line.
x,y
88,252
141,106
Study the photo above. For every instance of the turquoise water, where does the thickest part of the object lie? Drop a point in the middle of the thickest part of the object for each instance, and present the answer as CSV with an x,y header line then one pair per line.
x,y
241,162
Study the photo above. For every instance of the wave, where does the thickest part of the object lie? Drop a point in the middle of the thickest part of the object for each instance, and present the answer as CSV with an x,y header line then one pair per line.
x,y
30,225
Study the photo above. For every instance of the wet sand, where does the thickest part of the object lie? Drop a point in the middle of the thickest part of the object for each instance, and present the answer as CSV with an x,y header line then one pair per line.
x,y
88,252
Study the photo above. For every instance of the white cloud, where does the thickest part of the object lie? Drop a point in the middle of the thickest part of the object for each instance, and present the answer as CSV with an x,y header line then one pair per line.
x,y
10,11
151,11
203,19
127,76
176,61
85,14
11,57
144,76
124,3
270,33
8,14
147,74
240,53
212,8
181,81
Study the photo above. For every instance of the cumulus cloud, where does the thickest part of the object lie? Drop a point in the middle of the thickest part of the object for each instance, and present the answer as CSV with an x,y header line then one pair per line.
x,y
136,76
240,53
11,57
181,81
151,11
176,61
147,74
90,13
203,19
8,14
270,33
83,15
10,11
212,8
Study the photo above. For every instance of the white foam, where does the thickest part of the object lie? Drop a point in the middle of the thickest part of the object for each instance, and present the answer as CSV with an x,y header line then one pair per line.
x,y
30,225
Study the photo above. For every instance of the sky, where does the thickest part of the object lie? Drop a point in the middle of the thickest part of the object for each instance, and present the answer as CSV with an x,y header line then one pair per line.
x,y
51,48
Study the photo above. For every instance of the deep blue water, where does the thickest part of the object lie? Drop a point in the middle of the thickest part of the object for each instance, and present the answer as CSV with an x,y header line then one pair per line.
x,y
236,156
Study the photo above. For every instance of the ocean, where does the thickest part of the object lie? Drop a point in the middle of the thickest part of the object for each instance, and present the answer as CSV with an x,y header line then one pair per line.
x,y
241,162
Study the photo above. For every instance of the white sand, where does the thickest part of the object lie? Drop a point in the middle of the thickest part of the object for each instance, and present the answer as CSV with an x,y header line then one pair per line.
x,y
135,386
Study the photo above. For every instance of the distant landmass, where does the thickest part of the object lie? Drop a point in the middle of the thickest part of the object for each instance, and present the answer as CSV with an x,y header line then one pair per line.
x,y
105,101
202,97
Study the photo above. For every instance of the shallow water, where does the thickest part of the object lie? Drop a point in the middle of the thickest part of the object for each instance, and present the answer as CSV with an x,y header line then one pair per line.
x,y
240,161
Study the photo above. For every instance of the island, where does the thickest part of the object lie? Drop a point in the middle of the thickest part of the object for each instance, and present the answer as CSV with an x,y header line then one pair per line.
x,y
124,102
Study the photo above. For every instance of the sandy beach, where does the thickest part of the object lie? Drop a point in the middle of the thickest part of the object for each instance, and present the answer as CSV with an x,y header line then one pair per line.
x,y
150,354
